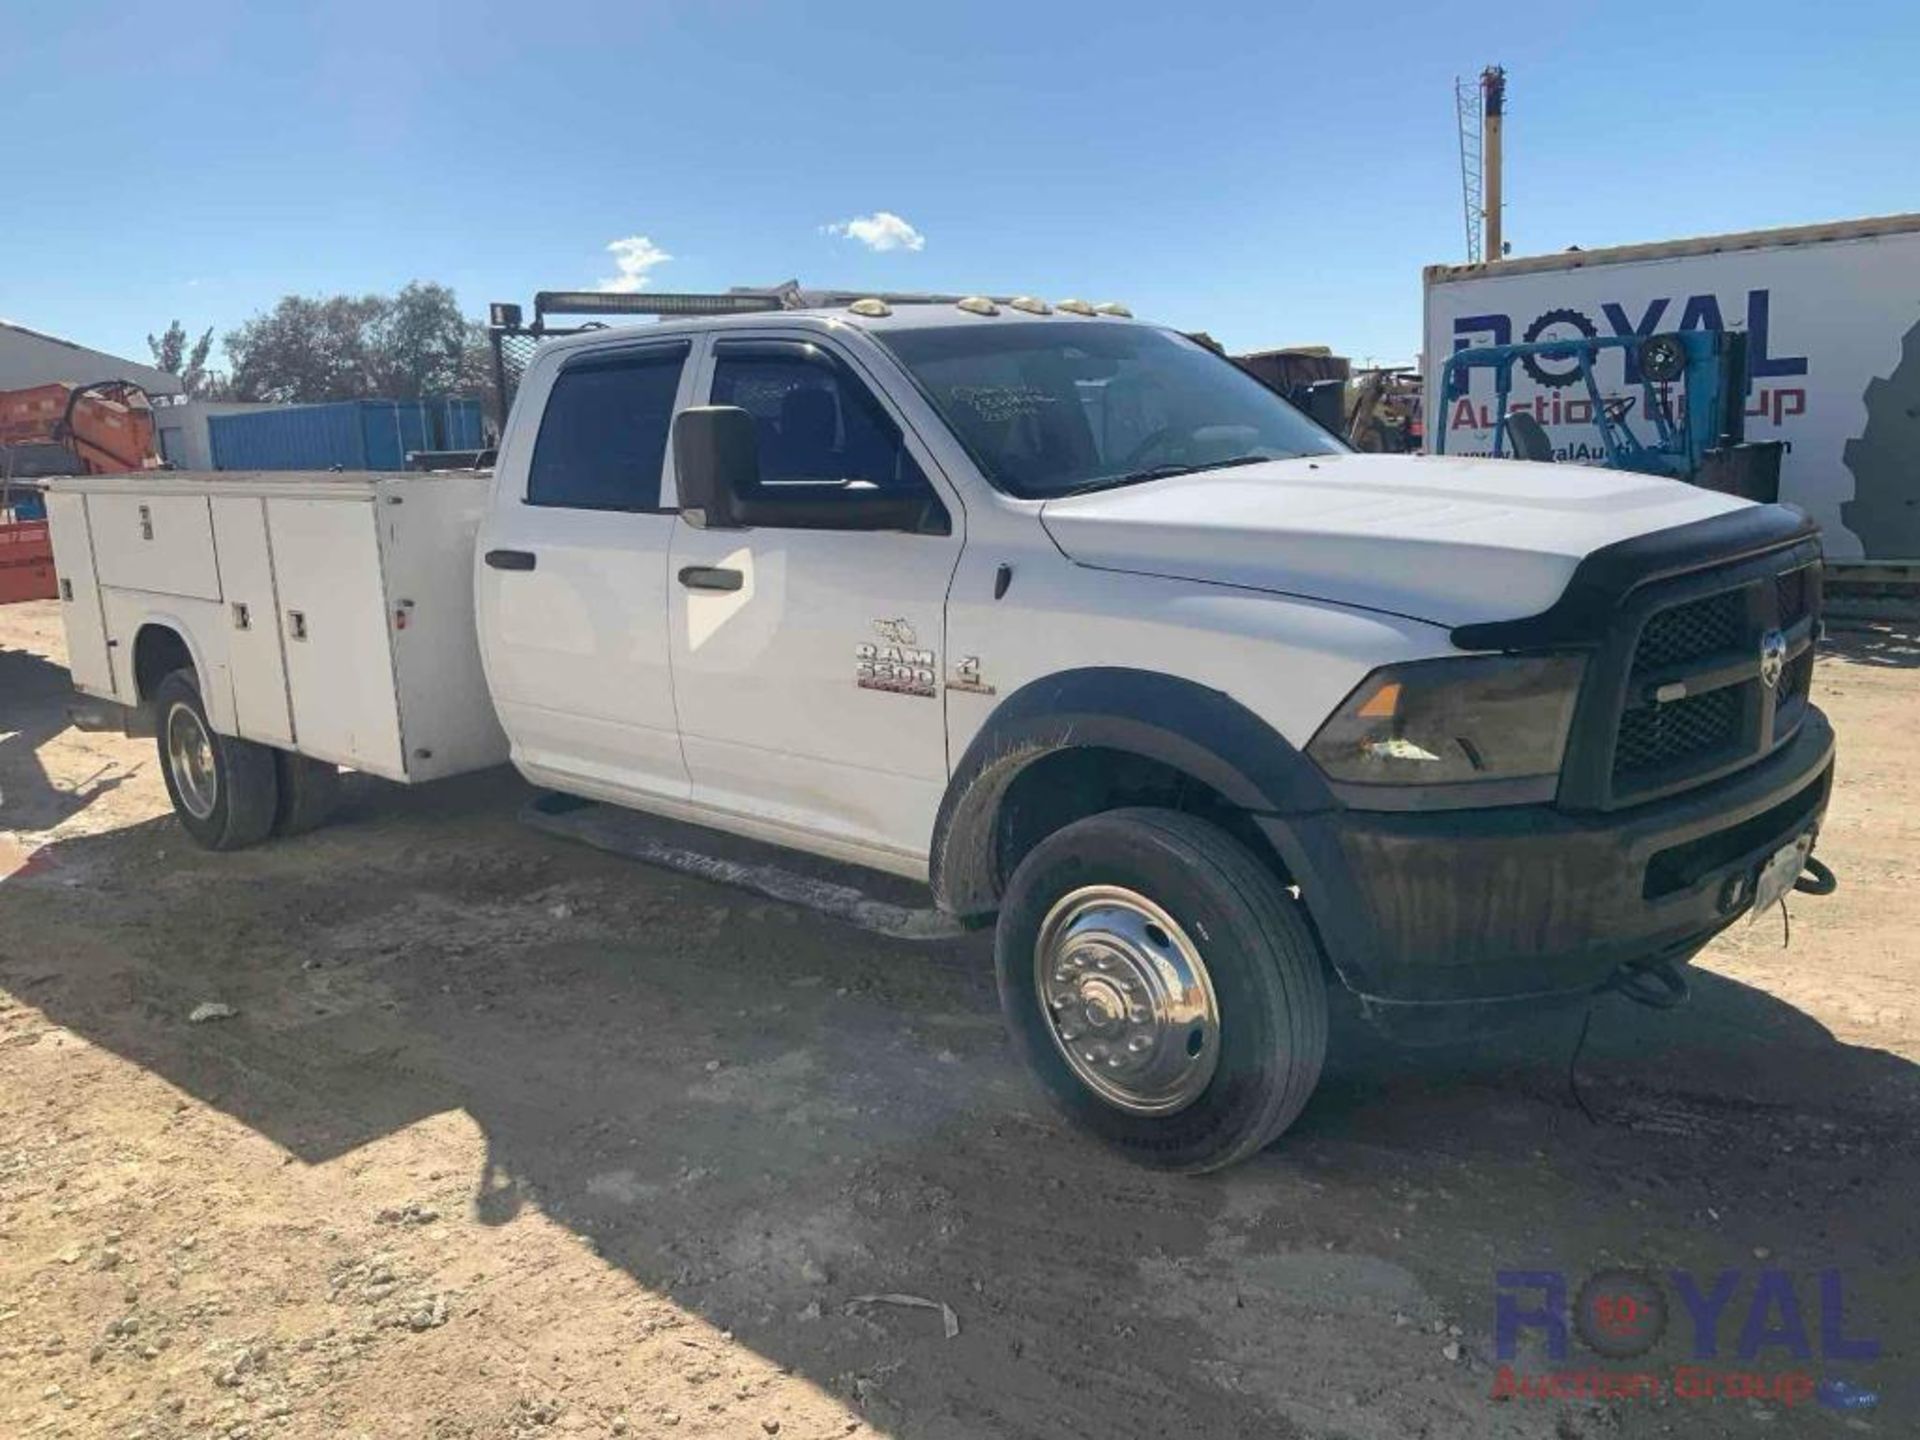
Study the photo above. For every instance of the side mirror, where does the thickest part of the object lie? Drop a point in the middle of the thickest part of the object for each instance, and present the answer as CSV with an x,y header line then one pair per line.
x,y
716,461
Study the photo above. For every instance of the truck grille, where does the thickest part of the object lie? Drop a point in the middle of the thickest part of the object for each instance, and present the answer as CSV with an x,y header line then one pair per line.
x,y
1798,680
1793,592
1659,735
1691,631
1695,702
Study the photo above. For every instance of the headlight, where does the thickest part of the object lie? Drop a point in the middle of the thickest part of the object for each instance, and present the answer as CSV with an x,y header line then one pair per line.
x,y
1453,722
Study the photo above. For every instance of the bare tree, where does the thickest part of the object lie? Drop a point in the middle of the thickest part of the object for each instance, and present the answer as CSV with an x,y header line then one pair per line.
x,y
173,354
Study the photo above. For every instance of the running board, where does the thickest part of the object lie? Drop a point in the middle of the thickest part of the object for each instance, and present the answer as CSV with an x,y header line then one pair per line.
x,y
638,837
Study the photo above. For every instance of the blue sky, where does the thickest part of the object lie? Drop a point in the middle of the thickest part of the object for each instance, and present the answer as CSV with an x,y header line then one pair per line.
x,y
1274,173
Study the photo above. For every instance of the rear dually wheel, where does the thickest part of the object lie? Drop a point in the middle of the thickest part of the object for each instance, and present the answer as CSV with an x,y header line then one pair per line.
x,y
224,789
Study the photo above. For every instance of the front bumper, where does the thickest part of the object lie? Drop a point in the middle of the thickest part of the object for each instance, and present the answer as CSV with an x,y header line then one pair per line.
x,y
1530,903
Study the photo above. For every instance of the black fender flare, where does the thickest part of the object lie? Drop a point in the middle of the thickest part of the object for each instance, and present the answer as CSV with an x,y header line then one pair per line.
x,y
1196,730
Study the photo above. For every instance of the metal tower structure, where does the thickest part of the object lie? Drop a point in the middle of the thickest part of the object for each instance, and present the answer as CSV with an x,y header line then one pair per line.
x,y
1480,109
1466,103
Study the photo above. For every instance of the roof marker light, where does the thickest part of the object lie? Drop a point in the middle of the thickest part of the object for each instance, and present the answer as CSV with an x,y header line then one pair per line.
x,y
1114,307
977,305
872,308
1030,305
1075,307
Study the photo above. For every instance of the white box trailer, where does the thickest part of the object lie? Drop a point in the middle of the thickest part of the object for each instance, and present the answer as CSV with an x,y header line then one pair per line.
x,y
331,615
1832,316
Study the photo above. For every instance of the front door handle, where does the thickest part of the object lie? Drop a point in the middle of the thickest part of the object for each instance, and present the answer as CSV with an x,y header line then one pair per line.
x,y
710,577
510,559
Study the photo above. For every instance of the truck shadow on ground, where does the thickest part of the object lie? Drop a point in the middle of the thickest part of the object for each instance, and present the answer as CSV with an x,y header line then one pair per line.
x,y
761,1113
1883,643
34,694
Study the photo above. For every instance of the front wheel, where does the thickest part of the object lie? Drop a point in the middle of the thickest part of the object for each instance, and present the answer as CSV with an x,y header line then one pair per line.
x,y
1163,987
223,788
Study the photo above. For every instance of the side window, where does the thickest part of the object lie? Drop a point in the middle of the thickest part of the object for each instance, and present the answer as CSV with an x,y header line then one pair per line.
x,y
817,421
603,437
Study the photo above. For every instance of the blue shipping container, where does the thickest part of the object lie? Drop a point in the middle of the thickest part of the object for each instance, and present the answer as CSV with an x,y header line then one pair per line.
x,y
348,434
456,422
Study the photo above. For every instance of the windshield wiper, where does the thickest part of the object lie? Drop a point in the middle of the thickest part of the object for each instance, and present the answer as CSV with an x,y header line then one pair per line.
x,y
1159,472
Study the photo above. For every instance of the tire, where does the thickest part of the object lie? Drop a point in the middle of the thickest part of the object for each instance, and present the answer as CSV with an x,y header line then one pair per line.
x,y
224,789
1663,358
309,791
1069,924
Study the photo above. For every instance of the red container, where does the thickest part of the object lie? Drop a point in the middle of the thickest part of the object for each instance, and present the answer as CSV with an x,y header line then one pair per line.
x,y
26,562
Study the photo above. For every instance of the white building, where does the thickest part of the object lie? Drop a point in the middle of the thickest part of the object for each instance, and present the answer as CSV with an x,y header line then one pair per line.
x,y
28,358
181,430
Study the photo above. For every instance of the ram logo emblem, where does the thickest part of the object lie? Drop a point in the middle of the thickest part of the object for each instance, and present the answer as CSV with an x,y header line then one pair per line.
x,y
1773,658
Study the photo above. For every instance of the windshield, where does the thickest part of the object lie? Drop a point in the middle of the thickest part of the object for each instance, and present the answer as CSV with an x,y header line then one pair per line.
x,y
1058,407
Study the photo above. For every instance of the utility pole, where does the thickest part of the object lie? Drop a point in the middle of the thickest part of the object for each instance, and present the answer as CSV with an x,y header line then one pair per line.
x,y
1493,105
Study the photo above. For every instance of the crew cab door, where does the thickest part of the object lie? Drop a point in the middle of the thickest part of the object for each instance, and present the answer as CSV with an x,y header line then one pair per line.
x,y
807,663
572,578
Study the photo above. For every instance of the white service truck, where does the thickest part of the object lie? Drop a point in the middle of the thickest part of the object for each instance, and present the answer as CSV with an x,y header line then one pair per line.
x,y
1058,612
1832,319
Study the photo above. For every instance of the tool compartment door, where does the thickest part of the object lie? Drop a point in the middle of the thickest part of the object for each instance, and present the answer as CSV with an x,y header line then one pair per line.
x,y
255,648
80,612
162,544
334,630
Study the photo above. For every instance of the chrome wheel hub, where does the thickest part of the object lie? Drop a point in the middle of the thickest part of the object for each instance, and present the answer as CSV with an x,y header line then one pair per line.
x,y
1127,999
190,759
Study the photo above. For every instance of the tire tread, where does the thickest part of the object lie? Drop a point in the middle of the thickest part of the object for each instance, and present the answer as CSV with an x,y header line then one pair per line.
x,y
309,791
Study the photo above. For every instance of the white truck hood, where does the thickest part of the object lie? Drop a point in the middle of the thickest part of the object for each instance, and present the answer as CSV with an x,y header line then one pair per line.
x,y
1456,541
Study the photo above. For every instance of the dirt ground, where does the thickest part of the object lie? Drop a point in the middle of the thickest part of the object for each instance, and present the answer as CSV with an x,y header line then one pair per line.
x,y
509,1137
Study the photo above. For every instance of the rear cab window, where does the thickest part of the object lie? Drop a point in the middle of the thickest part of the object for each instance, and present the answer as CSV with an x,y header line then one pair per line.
x,y
603,434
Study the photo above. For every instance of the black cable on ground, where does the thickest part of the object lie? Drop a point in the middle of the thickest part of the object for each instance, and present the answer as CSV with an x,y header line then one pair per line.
x,y
1573,1061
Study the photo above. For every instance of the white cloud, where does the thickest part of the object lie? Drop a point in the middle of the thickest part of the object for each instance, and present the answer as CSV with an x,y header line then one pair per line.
x,y
882,230
634,256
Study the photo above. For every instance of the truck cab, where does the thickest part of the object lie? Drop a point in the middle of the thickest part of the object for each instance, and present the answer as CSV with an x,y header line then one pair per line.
x,y
1080,624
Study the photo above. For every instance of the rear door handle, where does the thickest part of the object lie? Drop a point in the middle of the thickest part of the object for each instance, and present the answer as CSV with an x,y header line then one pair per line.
x,y
710,577
510,559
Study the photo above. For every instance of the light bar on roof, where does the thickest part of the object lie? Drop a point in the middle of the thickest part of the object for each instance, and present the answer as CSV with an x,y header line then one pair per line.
x,y
601,302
